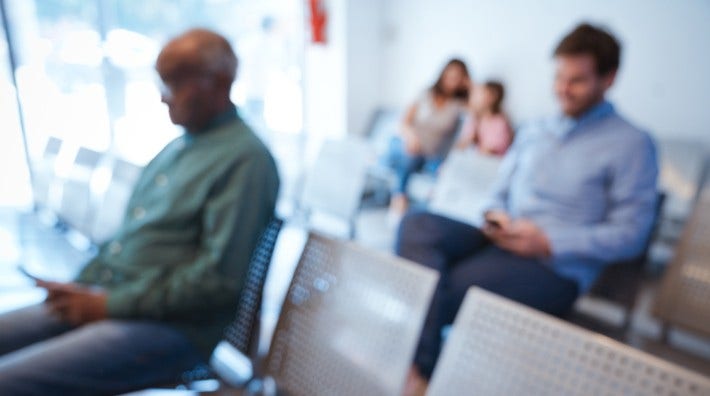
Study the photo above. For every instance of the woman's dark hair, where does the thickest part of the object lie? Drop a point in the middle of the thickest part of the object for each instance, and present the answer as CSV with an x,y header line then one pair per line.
x,y
588,39
438,90
499,90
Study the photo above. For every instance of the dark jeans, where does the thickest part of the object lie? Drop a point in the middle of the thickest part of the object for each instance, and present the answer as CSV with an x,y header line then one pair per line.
x,y
405,165
464,257
39,355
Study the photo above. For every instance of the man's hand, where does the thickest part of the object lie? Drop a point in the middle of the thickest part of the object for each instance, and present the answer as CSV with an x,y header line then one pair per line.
x,y
74,303
521,237
496,221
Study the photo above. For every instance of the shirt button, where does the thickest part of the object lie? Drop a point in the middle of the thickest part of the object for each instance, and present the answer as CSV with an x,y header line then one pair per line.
x,y
138,212
161,180
114,248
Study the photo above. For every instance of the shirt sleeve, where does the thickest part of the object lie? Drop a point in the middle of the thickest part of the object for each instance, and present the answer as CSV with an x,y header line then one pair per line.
x,y
236,211
498,196
632,200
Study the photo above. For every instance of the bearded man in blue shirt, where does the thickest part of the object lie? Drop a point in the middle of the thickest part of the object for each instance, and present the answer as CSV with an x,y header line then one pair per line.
x,y
575,193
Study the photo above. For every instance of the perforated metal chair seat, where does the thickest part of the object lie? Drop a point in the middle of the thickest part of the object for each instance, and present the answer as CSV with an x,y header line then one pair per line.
x,y
350,321
684,296
499,347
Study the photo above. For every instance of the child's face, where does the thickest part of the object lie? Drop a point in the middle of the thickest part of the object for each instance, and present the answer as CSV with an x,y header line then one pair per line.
x,y
483,98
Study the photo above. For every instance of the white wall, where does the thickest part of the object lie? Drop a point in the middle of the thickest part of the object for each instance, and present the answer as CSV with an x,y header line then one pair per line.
x,y
325,79
343,76
364,62
664,81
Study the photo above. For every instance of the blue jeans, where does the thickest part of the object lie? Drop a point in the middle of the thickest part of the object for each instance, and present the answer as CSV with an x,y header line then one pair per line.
x,y
405,164
464,257
40,355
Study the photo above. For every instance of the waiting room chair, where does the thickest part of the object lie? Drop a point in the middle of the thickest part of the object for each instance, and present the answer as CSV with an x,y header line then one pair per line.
x,y
43,173
463,185
382,126
620,284
682,164
75,207
111,207
500,347
684,296
233,356
335,183
350,322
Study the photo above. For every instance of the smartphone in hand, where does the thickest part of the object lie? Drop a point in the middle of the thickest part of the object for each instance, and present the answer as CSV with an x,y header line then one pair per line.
x,y
26,273
496,220
493,223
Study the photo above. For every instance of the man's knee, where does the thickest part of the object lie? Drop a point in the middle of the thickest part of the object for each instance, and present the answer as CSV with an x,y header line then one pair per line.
x,y
413,220
416,227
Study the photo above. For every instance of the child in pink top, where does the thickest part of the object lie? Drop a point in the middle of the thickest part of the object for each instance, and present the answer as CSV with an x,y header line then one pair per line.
x,y
487,127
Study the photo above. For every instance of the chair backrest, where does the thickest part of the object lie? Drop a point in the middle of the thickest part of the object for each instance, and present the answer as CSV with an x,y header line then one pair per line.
x,y
233,356
350,322
43,172
463,184
240,333
87,158
500,347
75,207
336,181
620,282
681,171
125,172
51,149
684,296
383,125
111,207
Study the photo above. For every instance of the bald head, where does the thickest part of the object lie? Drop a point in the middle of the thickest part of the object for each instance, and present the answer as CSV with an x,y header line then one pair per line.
x,y
197,69
199,51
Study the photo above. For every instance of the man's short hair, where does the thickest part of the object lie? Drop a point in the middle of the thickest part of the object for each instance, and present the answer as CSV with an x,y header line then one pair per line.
x,y
591,40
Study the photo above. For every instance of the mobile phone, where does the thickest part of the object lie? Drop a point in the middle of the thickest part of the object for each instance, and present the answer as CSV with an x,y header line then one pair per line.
x,y
24,271
494,223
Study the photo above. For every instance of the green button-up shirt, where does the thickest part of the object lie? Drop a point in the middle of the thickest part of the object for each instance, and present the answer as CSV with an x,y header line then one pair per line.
x,y
191,225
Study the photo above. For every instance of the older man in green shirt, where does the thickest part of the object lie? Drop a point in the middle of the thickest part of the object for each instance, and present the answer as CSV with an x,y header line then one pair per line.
x,y
156,298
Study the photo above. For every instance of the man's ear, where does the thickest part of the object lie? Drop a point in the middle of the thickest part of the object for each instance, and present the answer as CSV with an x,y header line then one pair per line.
x,y
608,79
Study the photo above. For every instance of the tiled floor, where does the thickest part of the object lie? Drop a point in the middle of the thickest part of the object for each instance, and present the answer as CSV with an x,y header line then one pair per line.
x,y
24,239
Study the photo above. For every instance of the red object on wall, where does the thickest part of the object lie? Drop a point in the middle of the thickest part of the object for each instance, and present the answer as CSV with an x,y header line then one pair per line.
x,y
318,21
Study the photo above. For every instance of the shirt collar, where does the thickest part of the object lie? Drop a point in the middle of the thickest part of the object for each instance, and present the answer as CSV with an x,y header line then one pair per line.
x,y
225,117
570,124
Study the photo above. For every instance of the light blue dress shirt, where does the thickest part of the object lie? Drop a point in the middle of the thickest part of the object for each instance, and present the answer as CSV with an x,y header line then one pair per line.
x,y
589,183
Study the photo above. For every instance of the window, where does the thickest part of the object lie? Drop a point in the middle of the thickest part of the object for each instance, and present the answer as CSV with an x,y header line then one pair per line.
x,y
14,178
85,68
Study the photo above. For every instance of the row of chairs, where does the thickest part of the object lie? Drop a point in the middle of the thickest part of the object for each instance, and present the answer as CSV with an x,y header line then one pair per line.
x,y
337,181
351,319
358,304
85,190
88,191
460,191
